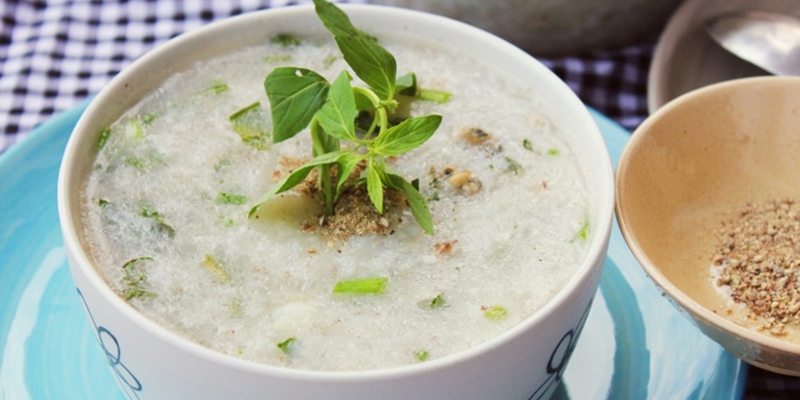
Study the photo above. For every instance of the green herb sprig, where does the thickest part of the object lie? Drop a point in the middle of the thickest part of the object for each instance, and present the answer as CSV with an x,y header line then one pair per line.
x,y
301,98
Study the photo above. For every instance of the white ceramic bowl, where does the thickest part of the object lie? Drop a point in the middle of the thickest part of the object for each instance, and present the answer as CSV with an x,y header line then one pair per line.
x,y
151,362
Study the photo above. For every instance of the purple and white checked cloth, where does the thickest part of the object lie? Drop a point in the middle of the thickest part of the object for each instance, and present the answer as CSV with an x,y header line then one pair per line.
x,y
54,54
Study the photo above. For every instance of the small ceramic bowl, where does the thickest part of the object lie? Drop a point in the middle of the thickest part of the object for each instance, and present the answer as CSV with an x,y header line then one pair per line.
x,y
150,362
693,164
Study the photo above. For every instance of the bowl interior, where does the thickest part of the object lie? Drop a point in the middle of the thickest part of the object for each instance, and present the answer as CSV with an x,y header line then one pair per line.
x,y
696,162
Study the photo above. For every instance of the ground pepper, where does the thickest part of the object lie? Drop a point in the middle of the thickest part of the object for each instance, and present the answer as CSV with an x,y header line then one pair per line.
x,y
758,259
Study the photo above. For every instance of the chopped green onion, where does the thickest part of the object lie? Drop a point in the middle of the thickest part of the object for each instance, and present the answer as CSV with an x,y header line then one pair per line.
x,y
433,188
249,123
328,61
280,58
236,308
130,266
147,211
148,118
137,162
583,234
527,145
135,292
421,355
286,345
496,312
216,87
134,278
438,301
134,126
103,138
370,285
214,266
222,164
226,222
285,40
103,202
230,198
513,166
553,152
433,95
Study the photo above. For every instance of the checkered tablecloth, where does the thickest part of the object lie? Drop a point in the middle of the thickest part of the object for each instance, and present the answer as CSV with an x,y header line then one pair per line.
x,y
54,54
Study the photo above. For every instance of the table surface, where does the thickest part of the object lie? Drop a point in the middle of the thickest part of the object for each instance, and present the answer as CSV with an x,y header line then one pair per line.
x,y
53,55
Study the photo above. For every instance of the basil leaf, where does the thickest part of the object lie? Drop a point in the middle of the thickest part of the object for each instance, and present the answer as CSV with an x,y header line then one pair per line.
x,y
375,186
407,85
297,176
415,200
337,116
347,163
295,95
369,60
407,136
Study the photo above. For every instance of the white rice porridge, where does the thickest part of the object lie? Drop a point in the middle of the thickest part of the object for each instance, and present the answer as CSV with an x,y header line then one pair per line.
x,y
173,184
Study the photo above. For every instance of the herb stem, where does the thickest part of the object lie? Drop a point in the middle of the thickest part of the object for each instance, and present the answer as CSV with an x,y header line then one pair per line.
x,y
327,189
380,110
372,127
383,119
370,95
324,169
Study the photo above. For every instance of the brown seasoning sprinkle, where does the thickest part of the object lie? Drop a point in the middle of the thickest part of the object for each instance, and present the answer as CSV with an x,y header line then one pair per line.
x,y
758,254
444,248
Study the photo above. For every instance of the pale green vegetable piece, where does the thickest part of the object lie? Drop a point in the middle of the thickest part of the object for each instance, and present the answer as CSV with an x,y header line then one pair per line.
x,y
286,345
369,285
250,124
214,266
496,313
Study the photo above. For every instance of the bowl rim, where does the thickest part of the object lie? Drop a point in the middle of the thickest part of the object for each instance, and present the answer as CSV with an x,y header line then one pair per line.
x,y
674,292
592,261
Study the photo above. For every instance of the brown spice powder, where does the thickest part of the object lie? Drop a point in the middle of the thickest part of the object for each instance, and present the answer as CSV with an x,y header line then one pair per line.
x,y
759,259
354,214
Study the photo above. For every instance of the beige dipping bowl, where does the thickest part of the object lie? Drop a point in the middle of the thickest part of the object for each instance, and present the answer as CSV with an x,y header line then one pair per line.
x,y
696,162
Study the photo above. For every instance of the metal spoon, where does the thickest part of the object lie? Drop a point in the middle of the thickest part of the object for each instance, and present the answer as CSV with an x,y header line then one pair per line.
x,y
770,41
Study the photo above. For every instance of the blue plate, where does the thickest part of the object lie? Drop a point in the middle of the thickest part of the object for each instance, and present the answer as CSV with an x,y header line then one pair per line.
x,y
635,345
